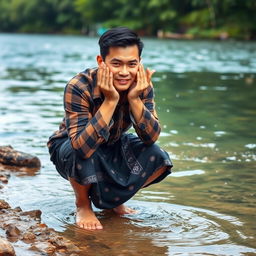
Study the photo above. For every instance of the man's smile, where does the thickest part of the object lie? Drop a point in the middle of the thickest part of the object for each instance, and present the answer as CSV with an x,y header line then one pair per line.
x,y
123,81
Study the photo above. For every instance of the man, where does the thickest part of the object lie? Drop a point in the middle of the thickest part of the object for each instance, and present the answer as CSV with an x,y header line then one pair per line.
x,y
104,164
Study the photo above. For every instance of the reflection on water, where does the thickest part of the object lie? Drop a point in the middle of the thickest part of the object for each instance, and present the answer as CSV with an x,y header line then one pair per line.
x,y
205,95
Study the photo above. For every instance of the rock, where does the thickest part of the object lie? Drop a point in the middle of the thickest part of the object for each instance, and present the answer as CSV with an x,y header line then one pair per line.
x,y
12,231
17,209
4,205
43,247
6,248
3,178
58,242
42,225
4,175
63,245
71,247
10,156
29,236
34,214
27,227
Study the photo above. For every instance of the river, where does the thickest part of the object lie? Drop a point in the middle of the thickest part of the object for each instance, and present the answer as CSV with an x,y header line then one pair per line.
x,y
206,102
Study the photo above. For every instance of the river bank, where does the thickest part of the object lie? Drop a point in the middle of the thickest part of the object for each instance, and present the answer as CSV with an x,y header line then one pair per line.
x,y
22,232
211,36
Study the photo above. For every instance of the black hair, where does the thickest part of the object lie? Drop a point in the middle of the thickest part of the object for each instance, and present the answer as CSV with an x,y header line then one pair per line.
x,y
120,36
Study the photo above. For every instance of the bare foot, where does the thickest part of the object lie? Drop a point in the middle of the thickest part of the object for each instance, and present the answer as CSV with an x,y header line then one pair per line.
x,y
85,218
122,209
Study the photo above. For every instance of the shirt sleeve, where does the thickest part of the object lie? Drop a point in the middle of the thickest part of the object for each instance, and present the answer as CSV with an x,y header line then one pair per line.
x,y
148,127
86,132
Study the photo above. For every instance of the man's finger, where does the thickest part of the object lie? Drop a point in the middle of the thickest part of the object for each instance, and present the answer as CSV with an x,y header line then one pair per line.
x,y
150,72
103,79
144,76
139,76
111,80
149,75
99,76
107,77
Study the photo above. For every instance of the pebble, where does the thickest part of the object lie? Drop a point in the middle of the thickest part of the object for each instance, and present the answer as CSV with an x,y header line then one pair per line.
x,y
33,214
6,249
29,236
4,179
12,231
4,205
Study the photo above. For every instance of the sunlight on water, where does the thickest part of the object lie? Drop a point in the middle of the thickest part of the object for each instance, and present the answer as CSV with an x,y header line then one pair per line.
x,y
205,96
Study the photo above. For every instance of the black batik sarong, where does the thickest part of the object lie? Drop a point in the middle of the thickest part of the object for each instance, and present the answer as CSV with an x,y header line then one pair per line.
x,y
116,171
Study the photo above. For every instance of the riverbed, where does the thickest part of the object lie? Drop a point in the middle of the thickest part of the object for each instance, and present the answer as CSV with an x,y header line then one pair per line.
x,y
205,97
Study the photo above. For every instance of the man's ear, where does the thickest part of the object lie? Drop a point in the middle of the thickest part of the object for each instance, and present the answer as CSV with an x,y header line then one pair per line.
x,y
99,59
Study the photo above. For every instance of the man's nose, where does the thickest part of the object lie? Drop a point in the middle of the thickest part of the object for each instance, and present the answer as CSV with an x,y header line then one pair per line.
x,y
124,71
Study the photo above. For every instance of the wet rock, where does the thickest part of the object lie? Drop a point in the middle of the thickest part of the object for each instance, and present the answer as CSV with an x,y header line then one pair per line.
x,y
33,214
3,178
58,242
17,209
63,244
12,231
43,247
29,236
6,249
27,226
42,225
4,205
10,156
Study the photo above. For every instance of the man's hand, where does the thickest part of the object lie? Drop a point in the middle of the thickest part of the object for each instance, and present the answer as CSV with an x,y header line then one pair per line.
x,y
105,83
143,81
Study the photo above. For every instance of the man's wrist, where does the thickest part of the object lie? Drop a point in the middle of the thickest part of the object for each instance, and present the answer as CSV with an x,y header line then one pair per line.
x,y
133,99
111,102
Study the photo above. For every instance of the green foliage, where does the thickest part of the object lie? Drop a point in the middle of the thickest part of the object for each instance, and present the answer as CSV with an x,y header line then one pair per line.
x,y
198,18
203,18
38,15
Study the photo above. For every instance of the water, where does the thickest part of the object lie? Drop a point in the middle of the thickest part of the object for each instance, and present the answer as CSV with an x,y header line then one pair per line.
x,y
205,95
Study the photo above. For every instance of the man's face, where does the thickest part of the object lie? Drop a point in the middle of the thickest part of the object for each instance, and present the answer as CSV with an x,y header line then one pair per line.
x,y
123,62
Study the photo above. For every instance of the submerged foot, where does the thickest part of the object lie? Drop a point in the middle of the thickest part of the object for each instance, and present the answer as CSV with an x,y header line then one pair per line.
x,y
85,218
122,209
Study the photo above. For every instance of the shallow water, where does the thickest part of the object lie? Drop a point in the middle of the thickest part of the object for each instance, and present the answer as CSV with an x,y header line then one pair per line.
x,y
205,95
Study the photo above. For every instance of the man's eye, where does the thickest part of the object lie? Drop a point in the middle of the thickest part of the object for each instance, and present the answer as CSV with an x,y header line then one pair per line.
x,y
133,64
116,64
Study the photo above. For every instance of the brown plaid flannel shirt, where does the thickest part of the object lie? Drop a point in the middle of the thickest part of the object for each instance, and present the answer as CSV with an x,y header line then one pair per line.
x,y
85,126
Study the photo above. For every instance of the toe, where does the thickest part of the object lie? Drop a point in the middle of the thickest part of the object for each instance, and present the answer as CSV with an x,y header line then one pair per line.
x,y
94,225
79,224
99,226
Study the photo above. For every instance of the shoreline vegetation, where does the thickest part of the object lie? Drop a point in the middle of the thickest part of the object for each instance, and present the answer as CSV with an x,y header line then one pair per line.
x,y
208,19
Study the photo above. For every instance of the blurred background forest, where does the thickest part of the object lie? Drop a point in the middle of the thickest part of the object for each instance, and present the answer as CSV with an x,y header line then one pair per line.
x,y
164,18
